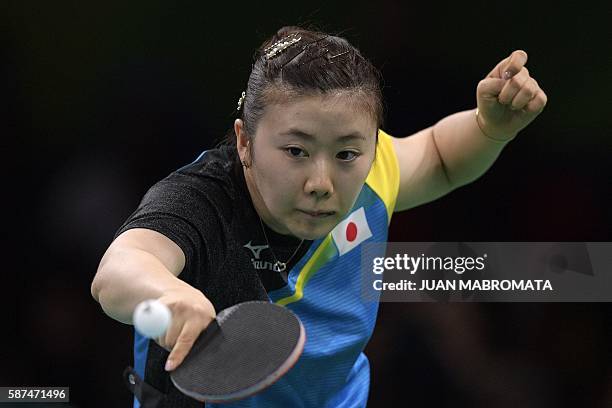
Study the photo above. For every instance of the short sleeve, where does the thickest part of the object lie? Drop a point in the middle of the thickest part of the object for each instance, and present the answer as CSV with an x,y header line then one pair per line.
x,y
384,175
184,212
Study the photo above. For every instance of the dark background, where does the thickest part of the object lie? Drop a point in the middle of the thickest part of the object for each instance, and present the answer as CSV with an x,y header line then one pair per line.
x,y
102,99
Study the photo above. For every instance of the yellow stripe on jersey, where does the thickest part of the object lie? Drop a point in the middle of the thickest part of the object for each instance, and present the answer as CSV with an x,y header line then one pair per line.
x,y
384,174
322,254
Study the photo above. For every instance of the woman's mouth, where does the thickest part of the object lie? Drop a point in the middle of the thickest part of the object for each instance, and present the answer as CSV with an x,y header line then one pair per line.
x,y
317,214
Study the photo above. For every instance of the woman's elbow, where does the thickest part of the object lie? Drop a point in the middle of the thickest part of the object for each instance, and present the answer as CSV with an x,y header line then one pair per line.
x,y
98,281
96,286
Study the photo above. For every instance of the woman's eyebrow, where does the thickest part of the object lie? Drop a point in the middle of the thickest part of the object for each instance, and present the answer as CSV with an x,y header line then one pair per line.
x,y
307,136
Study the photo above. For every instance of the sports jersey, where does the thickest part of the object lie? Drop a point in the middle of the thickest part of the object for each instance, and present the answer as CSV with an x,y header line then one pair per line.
x,y
205,208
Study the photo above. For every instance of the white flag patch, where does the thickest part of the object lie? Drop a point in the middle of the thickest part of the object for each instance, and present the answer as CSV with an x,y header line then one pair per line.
x,y
351,232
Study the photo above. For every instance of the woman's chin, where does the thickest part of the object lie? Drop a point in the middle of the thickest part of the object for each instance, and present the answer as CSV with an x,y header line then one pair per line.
x,y
313,232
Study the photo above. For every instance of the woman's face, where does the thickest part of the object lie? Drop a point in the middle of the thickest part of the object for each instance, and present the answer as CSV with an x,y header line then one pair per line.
x,y
310,158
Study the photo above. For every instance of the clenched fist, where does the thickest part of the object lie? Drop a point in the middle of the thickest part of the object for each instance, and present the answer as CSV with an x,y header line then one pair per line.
x,y
508,98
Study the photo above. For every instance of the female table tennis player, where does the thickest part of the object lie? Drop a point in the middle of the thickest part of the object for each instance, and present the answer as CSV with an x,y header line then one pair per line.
x,y
280,211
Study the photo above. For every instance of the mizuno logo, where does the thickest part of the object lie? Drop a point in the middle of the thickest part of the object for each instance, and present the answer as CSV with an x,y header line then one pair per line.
x,y
256,249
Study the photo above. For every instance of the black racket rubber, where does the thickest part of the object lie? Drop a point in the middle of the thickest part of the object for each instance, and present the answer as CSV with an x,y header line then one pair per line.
x,y
244,350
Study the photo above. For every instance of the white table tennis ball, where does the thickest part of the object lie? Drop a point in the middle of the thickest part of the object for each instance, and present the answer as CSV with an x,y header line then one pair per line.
x,y
152,318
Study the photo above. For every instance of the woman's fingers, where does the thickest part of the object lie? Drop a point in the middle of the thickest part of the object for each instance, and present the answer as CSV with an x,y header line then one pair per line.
x,y
527,92
509,66
183,344
513,86
537,104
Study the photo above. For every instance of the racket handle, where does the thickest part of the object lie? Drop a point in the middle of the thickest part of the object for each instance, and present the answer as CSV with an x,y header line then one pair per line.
x,y
151,318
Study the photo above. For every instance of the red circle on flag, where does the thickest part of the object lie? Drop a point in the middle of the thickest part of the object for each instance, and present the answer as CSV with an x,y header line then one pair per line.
x,y
351,231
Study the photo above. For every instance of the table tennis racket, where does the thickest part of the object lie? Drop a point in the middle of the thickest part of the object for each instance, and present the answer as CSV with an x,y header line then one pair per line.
x,y
243,351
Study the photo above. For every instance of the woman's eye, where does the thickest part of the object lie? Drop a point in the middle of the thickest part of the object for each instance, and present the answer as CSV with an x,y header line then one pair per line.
x,y
296,152
347,155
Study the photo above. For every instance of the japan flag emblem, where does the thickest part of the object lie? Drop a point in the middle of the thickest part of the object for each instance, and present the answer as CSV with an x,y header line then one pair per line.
x,y
351,232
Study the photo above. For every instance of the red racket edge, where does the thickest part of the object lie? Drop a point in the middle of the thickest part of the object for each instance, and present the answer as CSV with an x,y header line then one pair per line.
x,y
254,389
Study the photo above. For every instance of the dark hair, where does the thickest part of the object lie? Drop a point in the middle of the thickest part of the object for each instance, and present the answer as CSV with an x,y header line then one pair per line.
x,y
318,63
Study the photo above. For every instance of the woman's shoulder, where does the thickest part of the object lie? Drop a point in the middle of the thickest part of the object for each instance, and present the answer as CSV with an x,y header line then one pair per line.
x,y
203,187
211,173
211,163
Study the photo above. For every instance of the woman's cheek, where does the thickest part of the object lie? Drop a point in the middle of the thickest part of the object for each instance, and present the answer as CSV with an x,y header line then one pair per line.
x,y
349,190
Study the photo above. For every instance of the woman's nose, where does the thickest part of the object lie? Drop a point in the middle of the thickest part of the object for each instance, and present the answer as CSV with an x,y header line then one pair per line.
x,y
319,182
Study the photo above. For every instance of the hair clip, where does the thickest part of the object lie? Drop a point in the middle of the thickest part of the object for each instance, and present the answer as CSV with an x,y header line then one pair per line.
x,y
337,55
321,54
304,48
241,100
281,45
324,53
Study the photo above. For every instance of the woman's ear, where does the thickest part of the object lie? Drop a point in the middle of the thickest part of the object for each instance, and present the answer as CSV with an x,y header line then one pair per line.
x,y
240,137
242,142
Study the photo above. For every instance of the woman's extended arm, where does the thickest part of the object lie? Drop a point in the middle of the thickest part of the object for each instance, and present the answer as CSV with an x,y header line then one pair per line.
x,y
143,264
461,147
140,264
